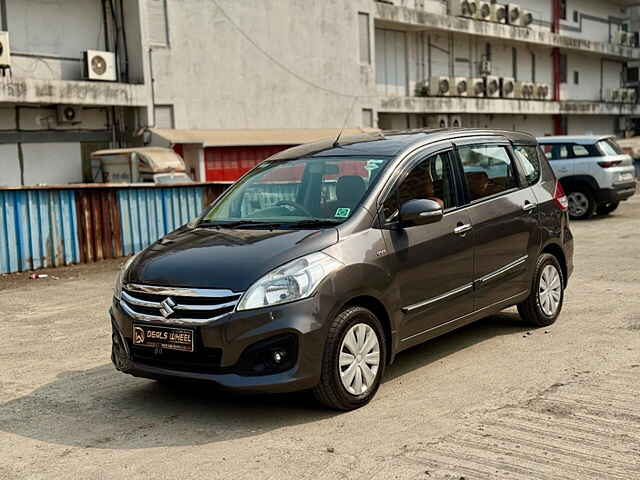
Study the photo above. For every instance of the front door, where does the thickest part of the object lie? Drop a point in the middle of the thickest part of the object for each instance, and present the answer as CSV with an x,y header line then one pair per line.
x,y
432,264
504,219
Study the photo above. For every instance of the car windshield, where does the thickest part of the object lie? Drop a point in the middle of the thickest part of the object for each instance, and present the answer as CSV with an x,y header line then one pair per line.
x,y
319,191
171,178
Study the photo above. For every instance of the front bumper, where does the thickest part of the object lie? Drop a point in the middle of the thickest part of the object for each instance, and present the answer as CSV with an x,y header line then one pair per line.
x,y
618,193
222,343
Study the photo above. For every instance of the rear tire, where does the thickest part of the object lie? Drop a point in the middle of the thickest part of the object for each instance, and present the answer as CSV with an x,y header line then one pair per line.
x,y
350,376
544,303
607,208
582,204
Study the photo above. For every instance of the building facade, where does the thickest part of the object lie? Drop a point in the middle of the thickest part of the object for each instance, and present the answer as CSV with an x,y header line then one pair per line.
x,y
185,66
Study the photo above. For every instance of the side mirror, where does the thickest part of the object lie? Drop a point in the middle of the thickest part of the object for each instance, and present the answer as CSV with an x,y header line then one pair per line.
x,y
420,212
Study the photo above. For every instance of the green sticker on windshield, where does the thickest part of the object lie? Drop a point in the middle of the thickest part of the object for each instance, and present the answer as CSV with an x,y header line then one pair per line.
x,y
342,212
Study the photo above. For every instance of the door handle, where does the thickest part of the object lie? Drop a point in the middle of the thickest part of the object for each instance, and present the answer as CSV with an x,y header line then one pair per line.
x,y
528,206
462,228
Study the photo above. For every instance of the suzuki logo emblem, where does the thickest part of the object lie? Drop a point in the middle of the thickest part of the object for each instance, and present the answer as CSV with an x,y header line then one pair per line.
x,y
166,307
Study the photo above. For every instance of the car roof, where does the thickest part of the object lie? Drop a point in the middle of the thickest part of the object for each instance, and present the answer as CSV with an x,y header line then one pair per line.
x,y
391,143
580,139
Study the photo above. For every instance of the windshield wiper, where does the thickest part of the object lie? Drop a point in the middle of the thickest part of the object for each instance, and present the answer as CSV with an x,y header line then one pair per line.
x,y
316,222
237,224
254,223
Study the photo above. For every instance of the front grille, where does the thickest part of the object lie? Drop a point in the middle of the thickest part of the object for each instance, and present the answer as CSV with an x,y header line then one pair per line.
x,y
180,306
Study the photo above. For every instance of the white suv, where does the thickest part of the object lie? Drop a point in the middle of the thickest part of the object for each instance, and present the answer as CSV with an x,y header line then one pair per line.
x,y
594,172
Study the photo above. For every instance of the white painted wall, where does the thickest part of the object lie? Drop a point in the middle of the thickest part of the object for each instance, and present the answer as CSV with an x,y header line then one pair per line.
x,y
52,163
591,125
58,28
9,165
215,78
537,125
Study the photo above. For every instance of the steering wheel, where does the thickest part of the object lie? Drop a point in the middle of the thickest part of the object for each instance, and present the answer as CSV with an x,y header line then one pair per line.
x,y
295,205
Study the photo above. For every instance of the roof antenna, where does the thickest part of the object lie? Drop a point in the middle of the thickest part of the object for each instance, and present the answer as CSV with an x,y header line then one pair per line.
x,y
335,143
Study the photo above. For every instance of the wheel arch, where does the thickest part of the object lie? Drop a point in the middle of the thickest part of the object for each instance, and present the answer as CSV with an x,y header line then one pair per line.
x,y
574,181
379,310
556,250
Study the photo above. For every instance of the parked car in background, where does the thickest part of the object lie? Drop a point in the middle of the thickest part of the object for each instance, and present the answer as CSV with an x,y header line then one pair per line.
x,y
595,173
316,268
631,146
142,164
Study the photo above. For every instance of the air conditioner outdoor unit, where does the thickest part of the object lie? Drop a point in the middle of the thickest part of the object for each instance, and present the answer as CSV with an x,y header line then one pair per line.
x,y
461,87
523,90
100,66
464,8
624,95
455,121
513,14
542,91
442,121
69,115
476,87
422,88
498,13
484,11
621,38
492,86
5,51
633,95
440,86
507,87
484,67
614,95
526,18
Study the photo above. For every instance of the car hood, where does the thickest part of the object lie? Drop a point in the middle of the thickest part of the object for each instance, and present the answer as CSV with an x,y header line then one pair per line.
x,y
225,258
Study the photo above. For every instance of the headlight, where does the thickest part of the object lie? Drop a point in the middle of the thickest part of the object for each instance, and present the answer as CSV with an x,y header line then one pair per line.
x,y
117,290
292,281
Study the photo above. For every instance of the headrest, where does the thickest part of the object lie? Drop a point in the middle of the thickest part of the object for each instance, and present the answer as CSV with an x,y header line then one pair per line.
x,y
350,188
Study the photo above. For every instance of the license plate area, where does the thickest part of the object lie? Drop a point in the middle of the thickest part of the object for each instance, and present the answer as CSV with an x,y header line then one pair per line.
x,y
180,339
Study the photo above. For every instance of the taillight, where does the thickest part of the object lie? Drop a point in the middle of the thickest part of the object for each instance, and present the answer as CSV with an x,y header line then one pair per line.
x,y
609,164
560,198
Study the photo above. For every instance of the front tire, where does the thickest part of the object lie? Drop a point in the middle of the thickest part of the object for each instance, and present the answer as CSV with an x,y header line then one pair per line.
x,y
607,208
582,205
544,303
353,361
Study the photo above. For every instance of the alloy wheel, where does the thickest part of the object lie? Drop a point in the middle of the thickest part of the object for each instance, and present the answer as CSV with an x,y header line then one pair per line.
x,y
359,359
550,290
578,204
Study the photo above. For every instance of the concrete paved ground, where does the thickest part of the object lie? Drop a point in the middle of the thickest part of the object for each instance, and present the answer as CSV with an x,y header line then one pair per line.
x,y
493,400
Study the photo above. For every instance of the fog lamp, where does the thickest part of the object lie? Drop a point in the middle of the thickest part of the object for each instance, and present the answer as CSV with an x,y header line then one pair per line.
x,y
278,356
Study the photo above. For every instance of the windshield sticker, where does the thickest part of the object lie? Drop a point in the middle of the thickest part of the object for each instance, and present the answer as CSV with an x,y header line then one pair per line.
x,y
373,164
342,212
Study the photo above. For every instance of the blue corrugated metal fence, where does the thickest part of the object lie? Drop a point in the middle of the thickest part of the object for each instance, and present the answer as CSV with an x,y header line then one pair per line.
x,y
50,227
148,214
38,228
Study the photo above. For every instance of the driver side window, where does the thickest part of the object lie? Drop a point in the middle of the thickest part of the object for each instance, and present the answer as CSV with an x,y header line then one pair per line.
x,y
430,179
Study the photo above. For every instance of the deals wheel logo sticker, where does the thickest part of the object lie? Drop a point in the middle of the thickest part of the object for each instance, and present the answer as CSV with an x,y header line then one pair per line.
x,y
138,335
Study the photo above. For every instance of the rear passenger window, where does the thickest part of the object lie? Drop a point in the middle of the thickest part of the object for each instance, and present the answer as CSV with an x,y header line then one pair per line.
x,y
487,169
528,156
556,151
580,151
